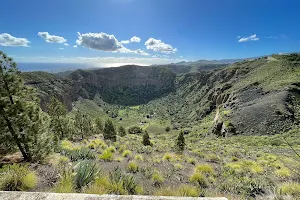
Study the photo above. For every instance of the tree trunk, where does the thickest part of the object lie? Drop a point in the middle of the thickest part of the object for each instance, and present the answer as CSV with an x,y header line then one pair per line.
x,y
26,156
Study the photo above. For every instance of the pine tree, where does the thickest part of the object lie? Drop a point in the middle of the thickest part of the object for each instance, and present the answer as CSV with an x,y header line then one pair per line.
x,y
59,121
122,131
99,125
146,139
23,123
109,131
180,142
83,124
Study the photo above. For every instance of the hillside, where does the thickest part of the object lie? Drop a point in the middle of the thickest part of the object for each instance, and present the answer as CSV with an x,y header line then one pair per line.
x,y
247,97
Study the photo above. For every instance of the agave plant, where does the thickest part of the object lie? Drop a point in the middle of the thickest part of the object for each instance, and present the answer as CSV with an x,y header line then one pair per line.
x,y
86,171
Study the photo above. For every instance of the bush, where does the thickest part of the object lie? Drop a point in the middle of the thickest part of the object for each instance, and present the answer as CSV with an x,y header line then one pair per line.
x,y
66,182
168,157
157,179
122,183
112,149
97,143
17,177
106,155
199,179
132,167
86,172
283,173
146,139
78,154
178,166
126,153
101,185
138,157
191,161
290,188
189,191
167,129
135,130
122,131
204,168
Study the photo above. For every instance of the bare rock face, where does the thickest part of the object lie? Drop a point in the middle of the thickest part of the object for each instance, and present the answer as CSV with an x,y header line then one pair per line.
x,y
72,196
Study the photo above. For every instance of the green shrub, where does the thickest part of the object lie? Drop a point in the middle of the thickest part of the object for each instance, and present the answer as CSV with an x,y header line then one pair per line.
x,y
157,179
79,154
290,188
132,167
126,153
97,143
86,171
138,157
135,130
101,185
199,179
178,166
106,155
168,157
122,131
122,183
66,182
17,177
191,160
189,191
204,169
167,129
283,172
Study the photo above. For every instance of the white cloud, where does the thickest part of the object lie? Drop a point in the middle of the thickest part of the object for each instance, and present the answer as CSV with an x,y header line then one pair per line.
x,y
105,42
125,41
61,48
250,38
66,44
75,46
99,41
9,40
51,38
159,46
135,39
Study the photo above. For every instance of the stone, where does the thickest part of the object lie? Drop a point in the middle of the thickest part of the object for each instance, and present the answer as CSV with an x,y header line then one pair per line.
x,y
5,195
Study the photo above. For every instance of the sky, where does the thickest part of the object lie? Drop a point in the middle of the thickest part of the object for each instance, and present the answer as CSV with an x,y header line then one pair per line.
x,y
114,32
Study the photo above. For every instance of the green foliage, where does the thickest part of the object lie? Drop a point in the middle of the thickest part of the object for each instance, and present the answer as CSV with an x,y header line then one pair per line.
x,y
122,131
146,139
109,131
23,124
122,183
189,191
17,177
65,182
86,172
180,142
126,153
167,129
84,124
59,123
101,185
199,179
204,168
139,157
78,154
99,125
168,157
290,188
157,179
135,130
132,167
178,166
106,155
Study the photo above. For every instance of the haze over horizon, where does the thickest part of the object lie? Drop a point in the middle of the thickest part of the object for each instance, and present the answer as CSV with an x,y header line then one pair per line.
x,y
118,32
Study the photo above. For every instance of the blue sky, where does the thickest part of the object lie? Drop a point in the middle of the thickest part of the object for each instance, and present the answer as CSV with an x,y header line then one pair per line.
x,y
166,30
